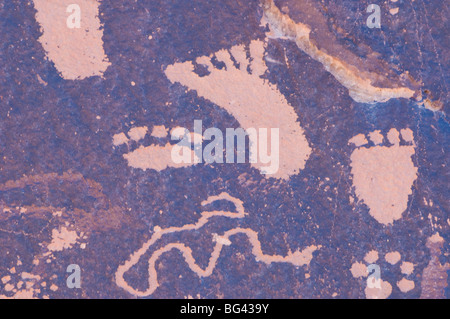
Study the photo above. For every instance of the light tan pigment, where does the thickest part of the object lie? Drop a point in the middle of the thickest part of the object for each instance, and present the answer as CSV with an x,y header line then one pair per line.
x,y
252,100
393,257
159,131
119,139
154,157
62,239
377,293
76,52
297,258
359,270
371,257
160,157
407,268
137,133
358,140
406,285
376,137
383,177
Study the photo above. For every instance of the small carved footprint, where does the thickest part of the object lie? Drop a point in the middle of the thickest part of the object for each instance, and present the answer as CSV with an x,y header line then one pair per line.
x,y
376,287
383,175
154,156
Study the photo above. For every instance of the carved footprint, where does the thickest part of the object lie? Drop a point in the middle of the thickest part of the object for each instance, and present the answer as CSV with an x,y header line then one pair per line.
x,y
154,156
240,89
383,174
382,289
76,51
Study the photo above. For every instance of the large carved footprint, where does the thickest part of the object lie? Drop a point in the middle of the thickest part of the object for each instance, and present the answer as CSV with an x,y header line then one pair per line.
x,y
255,103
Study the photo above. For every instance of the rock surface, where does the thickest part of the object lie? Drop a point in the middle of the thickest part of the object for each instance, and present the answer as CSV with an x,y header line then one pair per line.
x,y
362,175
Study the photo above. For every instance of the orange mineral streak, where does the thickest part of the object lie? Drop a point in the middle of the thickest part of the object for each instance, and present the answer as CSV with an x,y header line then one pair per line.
x,y
76,52
297,258
360,88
